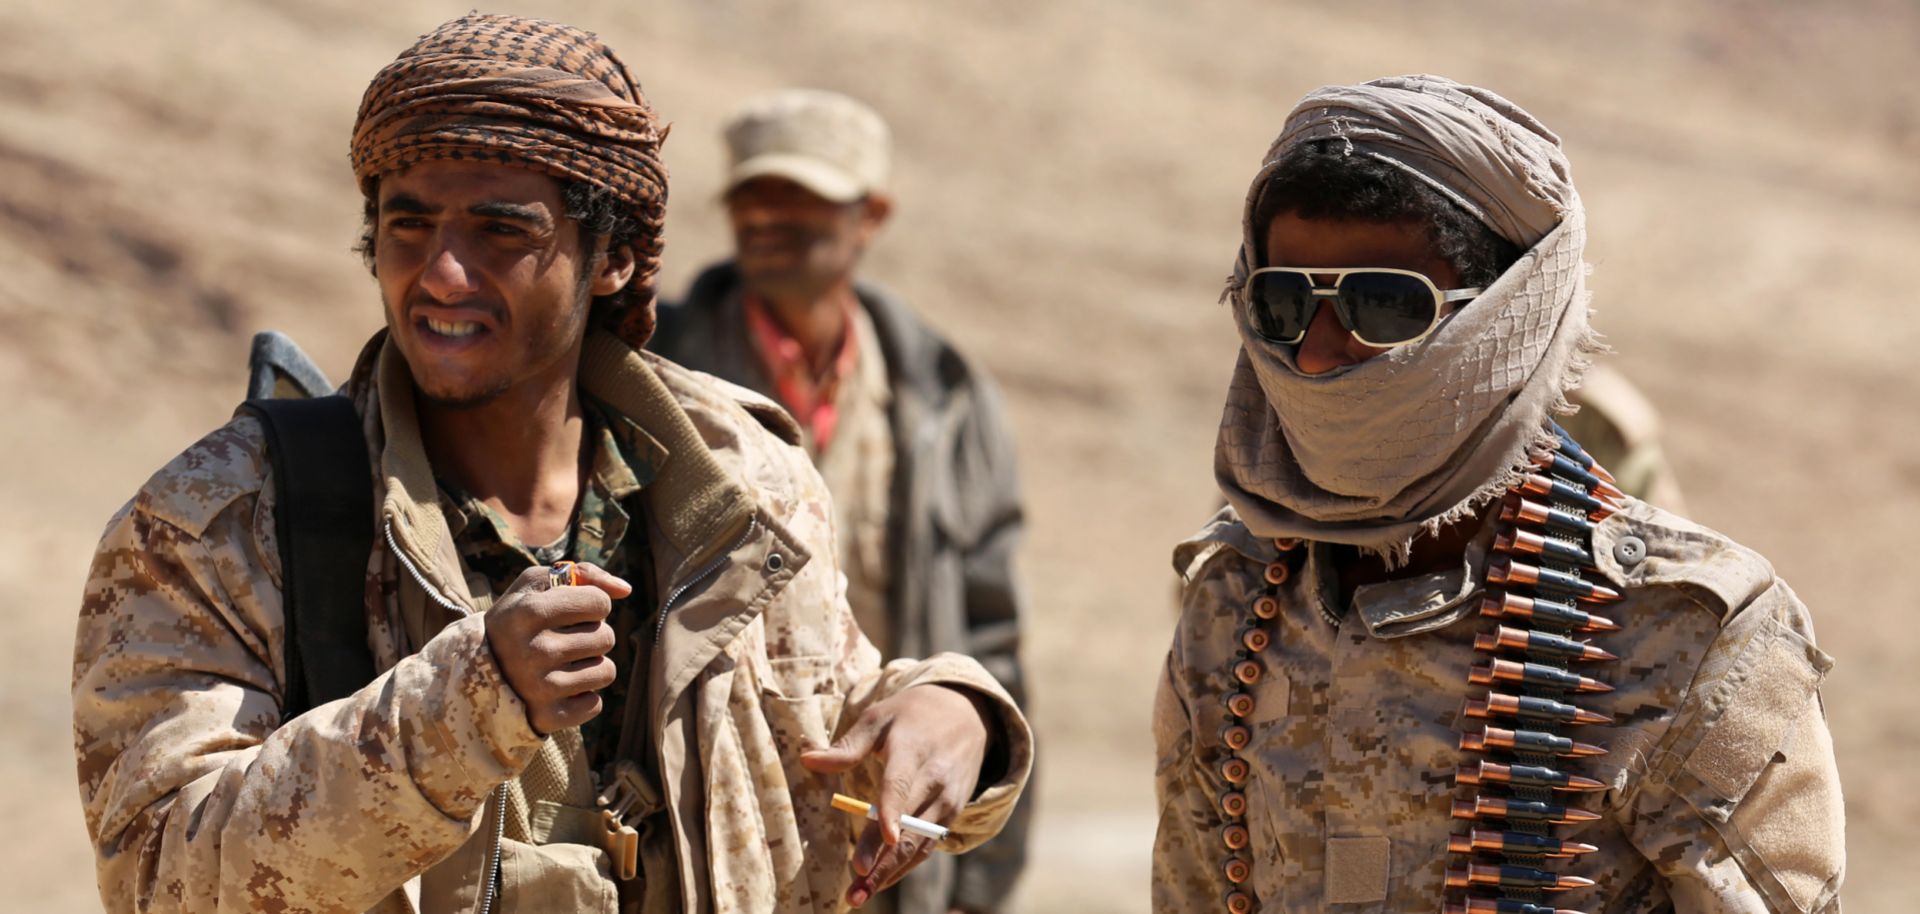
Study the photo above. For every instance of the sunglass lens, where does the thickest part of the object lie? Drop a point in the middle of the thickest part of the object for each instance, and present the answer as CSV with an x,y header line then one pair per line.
x,y
1387,308
1282,304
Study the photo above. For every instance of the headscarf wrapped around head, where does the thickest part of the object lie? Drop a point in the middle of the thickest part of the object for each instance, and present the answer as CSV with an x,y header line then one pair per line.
x,y
1377,453
530,94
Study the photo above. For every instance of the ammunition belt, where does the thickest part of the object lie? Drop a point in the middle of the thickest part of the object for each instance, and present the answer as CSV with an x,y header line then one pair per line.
x,y
1252,638
1536,587
1538,591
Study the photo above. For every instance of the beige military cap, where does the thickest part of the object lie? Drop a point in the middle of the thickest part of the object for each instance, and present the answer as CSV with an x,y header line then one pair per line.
x,y
824,141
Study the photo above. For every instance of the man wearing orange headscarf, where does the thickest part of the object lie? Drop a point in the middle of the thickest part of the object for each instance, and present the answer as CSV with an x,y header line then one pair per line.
x,y
610,663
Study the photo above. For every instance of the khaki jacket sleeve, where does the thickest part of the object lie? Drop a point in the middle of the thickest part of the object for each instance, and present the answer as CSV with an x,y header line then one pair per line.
x,y
857,659
1742,810
198,797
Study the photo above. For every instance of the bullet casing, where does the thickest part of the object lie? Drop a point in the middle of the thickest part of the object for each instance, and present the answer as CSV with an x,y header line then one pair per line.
x,y
1513,842
1538,642
1537,674
1505,570
1527,741
1514,809
1507,875
1533,708
1519,509
1527,542
1545,612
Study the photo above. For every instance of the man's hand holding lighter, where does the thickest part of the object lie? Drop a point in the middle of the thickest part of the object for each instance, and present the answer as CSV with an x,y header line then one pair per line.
x,y
932,740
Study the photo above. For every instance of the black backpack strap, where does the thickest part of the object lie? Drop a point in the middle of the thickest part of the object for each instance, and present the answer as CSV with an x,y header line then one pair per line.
x,y
324,520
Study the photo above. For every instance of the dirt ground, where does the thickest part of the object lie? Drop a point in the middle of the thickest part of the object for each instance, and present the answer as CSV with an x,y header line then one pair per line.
x,y
173,177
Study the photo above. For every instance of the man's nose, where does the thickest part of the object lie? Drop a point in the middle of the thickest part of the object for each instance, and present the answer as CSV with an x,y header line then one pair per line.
x,y
448,278
1327,345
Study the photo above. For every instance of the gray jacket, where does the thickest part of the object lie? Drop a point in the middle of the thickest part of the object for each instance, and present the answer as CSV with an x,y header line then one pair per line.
x,y
954,523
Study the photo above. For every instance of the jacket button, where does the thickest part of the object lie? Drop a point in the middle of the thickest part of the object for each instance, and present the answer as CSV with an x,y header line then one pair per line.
x,y
1235,836
775,562
1239,903
1233,803
1277,573
1247,671
1629,550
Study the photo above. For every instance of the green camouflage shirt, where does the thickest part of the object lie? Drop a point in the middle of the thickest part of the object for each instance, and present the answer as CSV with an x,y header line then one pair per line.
x,y
620,459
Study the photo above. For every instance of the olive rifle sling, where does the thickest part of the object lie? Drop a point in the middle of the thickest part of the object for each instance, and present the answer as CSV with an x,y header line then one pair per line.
x,y
324,521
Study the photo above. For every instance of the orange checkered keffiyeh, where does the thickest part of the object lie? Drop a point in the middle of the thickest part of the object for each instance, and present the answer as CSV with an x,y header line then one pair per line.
x,y
530,94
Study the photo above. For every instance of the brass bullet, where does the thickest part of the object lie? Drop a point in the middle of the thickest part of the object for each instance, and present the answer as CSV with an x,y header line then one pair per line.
x,y
1236,736
1532,674
1254,638
1235,836
1517,810
1526,542
1517,509
1572,449
1505,570
1526,741
1236,870
1570,470
1247,671
1233,803
1510,876
1532,708
1285,543
1266,607
1485,772
1513,605
1239,704
1277,572
1235,770
1238,902
1538,642
1500,906
1513,842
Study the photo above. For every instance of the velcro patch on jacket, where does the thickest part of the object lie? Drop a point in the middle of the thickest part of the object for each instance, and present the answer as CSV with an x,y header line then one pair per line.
x,y
1357,869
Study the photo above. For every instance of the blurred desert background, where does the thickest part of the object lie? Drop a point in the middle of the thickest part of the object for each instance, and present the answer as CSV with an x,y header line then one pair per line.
x,y
173,177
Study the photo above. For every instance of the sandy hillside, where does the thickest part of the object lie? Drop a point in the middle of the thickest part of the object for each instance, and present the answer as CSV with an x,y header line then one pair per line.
x,y
1070,175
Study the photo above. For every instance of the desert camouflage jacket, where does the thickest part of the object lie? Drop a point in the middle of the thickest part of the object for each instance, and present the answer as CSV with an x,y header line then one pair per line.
x,y
199,797
1721,791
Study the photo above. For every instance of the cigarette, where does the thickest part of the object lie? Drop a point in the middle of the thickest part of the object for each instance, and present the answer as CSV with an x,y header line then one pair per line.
x,y
866,810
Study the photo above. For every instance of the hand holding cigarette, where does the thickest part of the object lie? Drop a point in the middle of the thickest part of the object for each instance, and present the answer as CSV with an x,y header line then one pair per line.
x,y
929,742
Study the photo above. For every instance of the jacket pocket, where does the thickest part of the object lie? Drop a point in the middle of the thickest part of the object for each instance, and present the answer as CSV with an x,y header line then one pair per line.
x,y
556,879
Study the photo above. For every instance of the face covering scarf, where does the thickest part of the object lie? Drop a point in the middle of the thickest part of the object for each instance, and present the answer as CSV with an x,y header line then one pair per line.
x,y
1376,454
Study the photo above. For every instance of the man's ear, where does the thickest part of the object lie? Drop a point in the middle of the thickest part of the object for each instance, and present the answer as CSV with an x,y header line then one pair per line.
x,y
615,269
875,209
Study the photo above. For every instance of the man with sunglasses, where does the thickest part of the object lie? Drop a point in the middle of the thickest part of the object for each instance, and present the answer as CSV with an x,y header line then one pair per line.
x,y
1429,655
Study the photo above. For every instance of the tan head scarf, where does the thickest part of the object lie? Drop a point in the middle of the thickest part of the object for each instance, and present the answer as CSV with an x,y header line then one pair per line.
x,y
1375,454
530,94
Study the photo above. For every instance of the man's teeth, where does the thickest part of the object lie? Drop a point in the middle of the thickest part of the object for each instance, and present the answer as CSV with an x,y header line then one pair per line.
x,y
453,328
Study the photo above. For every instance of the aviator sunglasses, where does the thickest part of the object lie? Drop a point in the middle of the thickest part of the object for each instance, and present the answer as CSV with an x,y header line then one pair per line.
x,y
1380,306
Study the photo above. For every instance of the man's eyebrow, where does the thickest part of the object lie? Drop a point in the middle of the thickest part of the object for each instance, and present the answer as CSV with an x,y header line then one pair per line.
x,y
408,203
503,210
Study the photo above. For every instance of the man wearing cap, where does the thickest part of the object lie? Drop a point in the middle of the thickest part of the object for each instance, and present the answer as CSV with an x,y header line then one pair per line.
x,y
611,665
1430,657
909,436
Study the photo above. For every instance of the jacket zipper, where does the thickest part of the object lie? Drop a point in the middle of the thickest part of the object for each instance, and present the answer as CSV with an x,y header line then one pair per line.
x,y
660,623
499,793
